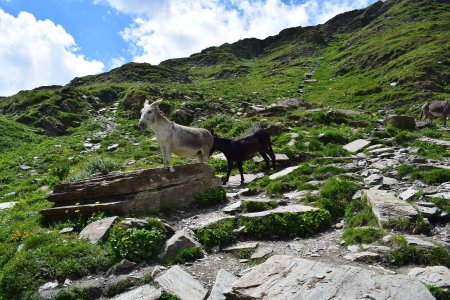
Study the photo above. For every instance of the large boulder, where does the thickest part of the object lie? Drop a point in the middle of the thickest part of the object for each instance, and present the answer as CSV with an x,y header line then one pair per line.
x,y
134,191
287,277
400,122
182,284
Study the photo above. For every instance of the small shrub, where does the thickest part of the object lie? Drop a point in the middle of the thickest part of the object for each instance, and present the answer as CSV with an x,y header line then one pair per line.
x,y
165,295
275,188
362,235
439,294
404,170
254,206
442,203
405,225
96,165
186,255
433,176
135,244
213,196
405,254
335,194
220,234
359,213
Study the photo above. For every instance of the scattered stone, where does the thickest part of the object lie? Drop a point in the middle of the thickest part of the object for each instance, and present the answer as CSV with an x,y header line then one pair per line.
x,y
296,195
356,145
67,230
224,282
279,158
241,246
145,292
235,180
438,276
134,223
182,239
7,205
220,156
379,151
97,231
261,253
387,207
444,195
113,147
24,167
445,144
67,282
416,241
408,194
372,179
294,209
48,286
125,264
375,248
283,172
400,122
353,248
10,194
362,256
233,208
429,212
182,284
280,277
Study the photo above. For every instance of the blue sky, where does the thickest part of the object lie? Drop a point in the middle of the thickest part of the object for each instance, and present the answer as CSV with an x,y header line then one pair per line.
x,y
45,42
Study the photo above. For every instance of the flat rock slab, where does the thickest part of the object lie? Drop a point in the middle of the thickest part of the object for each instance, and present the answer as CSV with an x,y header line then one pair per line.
x,y
439,276
182,284
387,207
445,144
185,238
145,292
417,241
279,158
283,172
356,145
7,205
96,231
362,256
224,282
408,194
235,180
296,209
133,191
242,246
444,195
287,277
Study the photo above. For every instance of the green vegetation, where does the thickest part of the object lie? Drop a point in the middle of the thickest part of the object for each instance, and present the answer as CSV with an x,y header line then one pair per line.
x,y
213,196
165,295
365,235
405,254
275,225
359,213
254,205
335,195
442,203
135,244
405,225
430,176
185,255
439,294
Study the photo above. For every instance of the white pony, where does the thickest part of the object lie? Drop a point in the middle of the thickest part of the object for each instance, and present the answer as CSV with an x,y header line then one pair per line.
x,y
175,138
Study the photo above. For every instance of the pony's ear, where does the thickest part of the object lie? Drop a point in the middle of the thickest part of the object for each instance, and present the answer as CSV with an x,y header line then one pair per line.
x,y
146,102
157,102
212,132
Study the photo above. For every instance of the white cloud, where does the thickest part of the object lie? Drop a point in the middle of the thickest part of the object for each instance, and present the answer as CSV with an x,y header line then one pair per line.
x,y
178,28
35,53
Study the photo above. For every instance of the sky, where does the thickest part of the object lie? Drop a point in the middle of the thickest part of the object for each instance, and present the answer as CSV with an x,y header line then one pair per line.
x,y
50,42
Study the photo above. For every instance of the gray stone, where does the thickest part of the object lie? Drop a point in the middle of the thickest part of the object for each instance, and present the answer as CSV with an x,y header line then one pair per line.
x,y
408,194
372,179
283,172
182,284
182,239
67,230
429,212
444,195
125,264
389,181
356,145
224,282
297,208
10,194
362,256
416,241
134,223
233,208
133,191
145,292
241,246
438,276
48,286
387,207
287,277
113,147
400,122
445,144
260,253
235,180
24,167
7,205
96,231
296,195
375,248
279,157
379,151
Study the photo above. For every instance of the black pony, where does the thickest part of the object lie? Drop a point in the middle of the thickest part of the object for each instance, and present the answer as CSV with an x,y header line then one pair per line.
x,y
244,148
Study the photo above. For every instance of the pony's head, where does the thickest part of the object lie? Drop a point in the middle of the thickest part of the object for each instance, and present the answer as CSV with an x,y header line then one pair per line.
x,y
148,114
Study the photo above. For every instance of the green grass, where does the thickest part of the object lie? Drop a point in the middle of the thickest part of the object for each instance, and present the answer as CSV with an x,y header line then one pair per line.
x,y
185,255
213,196
335,195
359,213
362,235
428,176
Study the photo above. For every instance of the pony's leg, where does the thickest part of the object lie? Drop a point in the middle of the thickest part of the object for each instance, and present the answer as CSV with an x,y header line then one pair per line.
x,y
200,157
272,155
230,167
266,158
431,119
167,156
444,120
239,163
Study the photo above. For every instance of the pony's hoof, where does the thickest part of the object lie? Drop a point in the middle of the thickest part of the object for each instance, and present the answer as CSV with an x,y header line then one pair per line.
x,y
172,170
